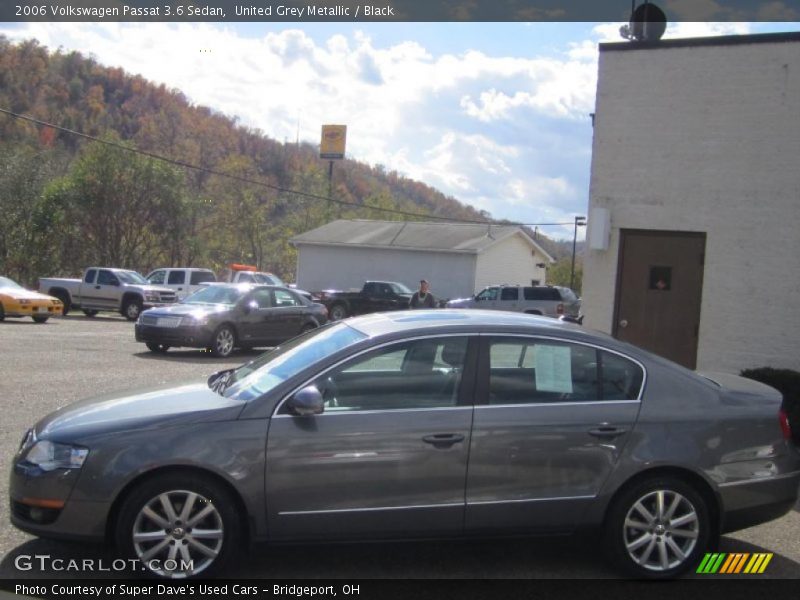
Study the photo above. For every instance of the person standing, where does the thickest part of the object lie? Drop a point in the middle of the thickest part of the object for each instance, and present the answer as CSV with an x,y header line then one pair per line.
x,y
422,298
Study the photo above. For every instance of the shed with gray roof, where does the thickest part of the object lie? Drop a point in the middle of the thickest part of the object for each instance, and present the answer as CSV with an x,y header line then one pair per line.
x,y
457,258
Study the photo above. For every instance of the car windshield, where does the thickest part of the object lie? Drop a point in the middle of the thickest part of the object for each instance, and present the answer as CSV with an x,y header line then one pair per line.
x,y
399,288
263,374
215,294
5,282
130,277
268,278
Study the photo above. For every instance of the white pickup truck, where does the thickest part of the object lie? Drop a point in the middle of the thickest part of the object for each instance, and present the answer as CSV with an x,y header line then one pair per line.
x,y
106,289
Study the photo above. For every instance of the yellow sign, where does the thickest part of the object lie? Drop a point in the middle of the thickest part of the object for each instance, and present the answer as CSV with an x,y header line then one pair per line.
x,y
333,141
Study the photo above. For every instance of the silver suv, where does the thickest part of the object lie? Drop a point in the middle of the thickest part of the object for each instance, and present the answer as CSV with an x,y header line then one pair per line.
x,y
547,300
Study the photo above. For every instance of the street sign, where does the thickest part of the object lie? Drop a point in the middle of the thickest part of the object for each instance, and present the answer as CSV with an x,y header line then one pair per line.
x,y
333,141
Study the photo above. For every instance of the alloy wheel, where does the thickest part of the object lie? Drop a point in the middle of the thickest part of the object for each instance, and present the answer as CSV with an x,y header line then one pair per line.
x,y
178,534
223,342
661,530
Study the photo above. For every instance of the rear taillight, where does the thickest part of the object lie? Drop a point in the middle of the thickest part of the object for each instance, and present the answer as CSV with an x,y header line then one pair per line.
x,y
786,429
560,309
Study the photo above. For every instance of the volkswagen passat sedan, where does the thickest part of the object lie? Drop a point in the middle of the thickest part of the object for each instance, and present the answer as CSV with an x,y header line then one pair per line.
x,y
416,424
224,316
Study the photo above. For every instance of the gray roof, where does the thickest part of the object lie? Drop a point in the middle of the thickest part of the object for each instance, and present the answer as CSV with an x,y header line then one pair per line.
x,y
443,237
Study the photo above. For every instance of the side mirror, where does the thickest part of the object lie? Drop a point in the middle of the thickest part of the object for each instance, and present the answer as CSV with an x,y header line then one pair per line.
x,y
307,402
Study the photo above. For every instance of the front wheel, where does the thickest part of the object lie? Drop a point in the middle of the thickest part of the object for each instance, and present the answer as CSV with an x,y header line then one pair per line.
x,y
40,318
658,528
131,309
224,341
179,525
157,348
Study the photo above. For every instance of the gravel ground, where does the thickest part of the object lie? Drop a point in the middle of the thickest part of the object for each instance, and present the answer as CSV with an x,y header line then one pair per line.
x,y
46,366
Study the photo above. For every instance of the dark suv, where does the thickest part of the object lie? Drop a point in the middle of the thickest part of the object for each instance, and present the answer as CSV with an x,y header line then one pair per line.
x,y
548,300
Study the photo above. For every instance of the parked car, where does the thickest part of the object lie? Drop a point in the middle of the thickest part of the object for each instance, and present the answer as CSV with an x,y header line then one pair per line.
x,y
107,289
417,424
547,300
16,301
375,296
222,317
237,273
183,280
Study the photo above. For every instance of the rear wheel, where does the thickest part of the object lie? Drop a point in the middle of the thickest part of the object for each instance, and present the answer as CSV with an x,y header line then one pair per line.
x,y
64,297
338,312
158,348
179,525
89,312
132,308
40,318
658,528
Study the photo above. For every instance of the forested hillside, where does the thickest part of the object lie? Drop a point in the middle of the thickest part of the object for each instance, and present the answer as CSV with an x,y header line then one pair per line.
x,y
67,202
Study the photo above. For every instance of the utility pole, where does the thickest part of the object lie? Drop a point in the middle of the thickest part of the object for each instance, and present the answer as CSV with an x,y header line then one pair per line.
x,y
579,222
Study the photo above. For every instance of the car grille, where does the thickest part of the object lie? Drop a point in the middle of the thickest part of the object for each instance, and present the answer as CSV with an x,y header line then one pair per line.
x,y
149,320
167,297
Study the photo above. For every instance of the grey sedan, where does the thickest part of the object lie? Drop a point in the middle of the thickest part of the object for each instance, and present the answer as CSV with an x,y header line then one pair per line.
x,y
416,424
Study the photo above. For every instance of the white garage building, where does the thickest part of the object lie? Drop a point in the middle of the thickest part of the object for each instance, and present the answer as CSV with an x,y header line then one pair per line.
x,y
693,236
457,259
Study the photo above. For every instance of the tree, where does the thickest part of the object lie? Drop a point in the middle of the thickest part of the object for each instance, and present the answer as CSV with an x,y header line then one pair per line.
x,y
559,273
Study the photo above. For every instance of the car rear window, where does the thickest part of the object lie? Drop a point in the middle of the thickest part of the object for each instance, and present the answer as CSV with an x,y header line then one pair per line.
x,y
541,293
199,277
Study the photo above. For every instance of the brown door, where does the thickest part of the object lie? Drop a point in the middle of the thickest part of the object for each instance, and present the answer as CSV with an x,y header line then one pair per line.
x,y
659,289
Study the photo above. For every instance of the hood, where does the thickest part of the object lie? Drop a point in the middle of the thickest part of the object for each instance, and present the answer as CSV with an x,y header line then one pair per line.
x,y
459,302
19,294
135,410
182,310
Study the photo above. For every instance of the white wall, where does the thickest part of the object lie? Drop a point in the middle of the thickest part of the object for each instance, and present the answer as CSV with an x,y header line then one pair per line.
x,y
319,267
707,138
509,261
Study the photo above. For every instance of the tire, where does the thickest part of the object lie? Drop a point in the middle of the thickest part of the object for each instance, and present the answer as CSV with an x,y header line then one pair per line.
x,y
146,530
40,318
338,312
157,348
643,543
132,308
223,342
64,297
89,312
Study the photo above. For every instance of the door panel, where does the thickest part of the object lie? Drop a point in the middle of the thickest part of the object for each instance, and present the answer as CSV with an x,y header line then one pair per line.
x,y
659,291
547,432
388,457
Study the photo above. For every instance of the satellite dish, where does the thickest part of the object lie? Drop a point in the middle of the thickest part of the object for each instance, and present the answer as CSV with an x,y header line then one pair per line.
x,y
648,23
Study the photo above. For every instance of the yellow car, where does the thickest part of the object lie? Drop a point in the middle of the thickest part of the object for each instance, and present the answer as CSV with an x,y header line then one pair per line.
x,y
16,301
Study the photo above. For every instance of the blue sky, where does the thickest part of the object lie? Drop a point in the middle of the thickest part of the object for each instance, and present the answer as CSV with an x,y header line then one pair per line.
x,y
496,115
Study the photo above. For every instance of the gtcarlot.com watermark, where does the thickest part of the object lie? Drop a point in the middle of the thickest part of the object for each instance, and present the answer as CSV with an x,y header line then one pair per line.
x,y
45,562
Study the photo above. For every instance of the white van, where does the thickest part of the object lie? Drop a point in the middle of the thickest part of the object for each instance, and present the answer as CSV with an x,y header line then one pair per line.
x,y
185,280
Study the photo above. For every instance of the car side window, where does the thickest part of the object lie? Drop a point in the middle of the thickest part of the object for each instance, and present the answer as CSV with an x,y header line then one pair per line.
x,y
622,378
262,299
532,371
89,277
488,294
284,298
157,277
177,277
106,278
509,293
409,375
371,288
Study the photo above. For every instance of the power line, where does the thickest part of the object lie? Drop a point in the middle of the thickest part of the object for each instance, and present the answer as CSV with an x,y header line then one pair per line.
x,y
270,186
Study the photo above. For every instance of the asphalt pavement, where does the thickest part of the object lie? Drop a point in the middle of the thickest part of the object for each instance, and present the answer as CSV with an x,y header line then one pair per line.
x,y
43,367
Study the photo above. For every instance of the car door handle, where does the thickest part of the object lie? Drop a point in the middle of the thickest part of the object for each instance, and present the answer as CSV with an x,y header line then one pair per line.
x,y
607,431
97,287
443,440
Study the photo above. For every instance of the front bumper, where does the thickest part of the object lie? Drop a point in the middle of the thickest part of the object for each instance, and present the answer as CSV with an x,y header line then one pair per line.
x,y
41,505
34,309
192,337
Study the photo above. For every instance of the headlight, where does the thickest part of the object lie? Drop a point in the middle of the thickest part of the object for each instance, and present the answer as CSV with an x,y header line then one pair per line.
x,y
49,455
193,321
